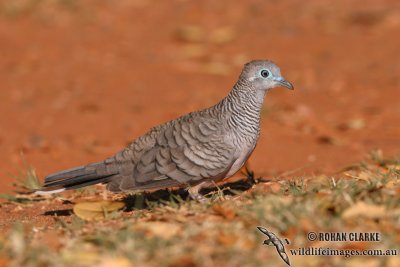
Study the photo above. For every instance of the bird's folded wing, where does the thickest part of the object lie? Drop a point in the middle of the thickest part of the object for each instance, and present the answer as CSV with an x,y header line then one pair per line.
x,y
187,151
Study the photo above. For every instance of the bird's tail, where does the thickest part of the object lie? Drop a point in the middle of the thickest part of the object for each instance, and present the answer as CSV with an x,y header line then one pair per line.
x,y
74,178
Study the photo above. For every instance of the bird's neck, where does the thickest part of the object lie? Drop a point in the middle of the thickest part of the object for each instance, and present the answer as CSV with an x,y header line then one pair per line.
x,y
243,104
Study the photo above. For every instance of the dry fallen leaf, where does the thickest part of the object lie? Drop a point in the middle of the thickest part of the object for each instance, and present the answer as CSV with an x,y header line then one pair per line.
x,y
96,210
366,210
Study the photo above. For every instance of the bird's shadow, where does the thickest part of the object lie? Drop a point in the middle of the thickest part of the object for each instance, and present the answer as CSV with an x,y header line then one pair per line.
x,y
147,200
58,213
166,196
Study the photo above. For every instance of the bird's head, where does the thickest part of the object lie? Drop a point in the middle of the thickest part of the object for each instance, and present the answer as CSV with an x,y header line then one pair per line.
x,y
263,75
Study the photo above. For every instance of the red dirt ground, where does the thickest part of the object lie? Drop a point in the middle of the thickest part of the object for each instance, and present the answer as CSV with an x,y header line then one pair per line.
x,y
79,80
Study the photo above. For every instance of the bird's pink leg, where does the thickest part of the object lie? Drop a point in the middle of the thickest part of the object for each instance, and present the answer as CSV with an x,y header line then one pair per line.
x,y
194,191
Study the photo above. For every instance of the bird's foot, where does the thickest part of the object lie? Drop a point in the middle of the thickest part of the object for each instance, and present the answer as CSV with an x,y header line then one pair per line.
x,y
195,194
198,197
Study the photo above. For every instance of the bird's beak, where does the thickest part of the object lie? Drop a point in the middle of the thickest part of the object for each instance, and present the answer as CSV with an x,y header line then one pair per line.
x,y
281,81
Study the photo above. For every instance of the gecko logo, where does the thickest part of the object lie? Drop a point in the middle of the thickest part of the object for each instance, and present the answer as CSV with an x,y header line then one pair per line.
x,y
273,240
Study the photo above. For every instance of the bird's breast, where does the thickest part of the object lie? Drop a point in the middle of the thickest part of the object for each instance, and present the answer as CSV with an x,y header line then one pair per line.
x,y
241,159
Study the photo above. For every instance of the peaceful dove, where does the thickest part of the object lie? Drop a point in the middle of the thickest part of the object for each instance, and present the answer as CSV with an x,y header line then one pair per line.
x,y
195,150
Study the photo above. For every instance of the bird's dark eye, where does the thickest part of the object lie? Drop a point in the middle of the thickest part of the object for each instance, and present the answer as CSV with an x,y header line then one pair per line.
x,y
265,73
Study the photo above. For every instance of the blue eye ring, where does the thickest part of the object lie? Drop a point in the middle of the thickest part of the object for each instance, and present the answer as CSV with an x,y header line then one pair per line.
x,y
265,73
